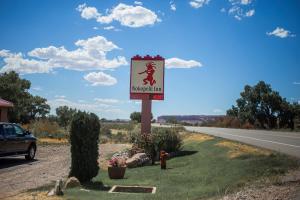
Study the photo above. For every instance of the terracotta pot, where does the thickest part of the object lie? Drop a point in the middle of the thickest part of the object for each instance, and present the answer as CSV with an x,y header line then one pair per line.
x,y
116,172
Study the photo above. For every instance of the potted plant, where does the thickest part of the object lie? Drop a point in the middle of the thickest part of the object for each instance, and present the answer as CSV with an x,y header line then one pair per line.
x,y
116,168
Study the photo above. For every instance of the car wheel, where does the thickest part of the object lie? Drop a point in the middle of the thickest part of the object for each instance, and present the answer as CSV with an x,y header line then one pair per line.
x,y
31,153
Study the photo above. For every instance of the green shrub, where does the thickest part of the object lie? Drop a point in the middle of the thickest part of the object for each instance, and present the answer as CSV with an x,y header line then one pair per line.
x,y
84,137
167,139
134,134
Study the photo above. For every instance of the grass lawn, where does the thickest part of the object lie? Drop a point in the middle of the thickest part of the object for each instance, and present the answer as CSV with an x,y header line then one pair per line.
x,y
207,169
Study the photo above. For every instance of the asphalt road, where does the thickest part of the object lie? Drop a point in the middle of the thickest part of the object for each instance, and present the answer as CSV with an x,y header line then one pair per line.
x,y
284,142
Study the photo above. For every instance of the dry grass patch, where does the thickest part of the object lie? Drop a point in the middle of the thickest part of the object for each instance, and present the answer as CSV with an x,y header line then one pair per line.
x,y
238,149
53,141
34,196
197,137
116,131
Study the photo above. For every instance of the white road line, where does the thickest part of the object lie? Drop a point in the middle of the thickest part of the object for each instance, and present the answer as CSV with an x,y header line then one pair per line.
x,y
276,135
262,140
268,134
286,136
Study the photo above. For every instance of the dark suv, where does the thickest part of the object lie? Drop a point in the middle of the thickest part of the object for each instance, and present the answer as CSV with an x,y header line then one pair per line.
x,y
16,141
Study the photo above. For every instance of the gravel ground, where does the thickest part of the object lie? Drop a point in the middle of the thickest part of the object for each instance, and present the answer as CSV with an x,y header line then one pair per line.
x,y
286,187
52,162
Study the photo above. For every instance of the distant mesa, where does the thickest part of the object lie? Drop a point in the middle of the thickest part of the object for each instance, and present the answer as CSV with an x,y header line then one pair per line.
x,y
190,119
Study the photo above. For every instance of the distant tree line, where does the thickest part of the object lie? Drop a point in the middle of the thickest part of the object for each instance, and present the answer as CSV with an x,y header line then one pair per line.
x,y
261,107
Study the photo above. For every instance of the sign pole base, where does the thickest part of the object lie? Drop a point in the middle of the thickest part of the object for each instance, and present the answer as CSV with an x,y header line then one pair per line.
x,y
146,116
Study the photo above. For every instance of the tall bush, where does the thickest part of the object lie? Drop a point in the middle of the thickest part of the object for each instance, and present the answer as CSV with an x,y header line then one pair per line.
x,y
167,139
84,137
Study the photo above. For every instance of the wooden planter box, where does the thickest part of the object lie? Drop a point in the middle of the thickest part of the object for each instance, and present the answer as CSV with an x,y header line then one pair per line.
x,y
116,172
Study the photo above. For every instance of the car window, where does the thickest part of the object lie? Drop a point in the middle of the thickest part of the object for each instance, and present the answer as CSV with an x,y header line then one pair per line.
x,y
1,131
9,130
18,130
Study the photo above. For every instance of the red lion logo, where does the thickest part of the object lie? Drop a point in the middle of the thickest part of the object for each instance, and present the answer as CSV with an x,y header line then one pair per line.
x,y
150,70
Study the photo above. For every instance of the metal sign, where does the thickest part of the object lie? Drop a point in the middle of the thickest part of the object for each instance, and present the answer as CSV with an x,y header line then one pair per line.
x,y
147,77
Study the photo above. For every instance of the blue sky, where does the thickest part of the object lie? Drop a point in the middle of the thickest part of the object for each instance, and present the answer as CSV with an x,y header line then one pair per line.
x,y
77,53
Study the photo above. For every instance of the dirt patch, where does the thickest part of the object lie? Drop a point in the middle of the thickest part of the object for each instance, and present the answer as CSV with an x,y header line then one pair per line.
x,y
238,149
53,141
34,196
52,163
283,192
286,187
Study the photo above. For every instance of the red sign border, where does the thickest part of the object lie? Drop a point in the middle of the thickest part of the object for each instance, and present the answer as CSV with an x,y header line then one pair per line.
x,y
150,96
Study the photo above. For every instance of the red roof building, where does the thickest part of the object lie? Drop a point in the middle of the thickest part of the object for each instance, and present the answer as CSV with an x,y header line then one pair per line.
x,y
4,106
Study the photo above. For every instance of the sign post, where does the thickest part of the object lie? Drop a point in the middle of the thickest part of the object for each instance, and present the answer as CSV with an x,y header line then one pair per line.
x,y
147,84
146,116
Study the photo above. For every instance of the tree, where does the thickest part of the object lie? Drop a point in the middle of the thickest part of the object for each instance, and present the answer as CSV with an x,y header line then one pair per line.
x,y
26,107
262,106
39,107
84,137
65,115
137,116
288,114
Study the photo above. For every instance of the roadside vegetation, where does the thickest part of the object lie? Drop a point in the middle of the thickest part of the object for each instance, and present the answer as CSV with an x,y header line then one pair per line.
x,y
206,167
262,107
259,107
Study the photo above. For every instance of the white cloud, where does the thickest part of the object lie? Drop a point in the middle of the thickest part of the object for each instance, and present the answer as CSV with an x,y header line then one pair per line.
x,y
172,6
92,106
5,53
100,78
198,3
281,32
246,2
127,15
95,28
88,12
90,55
37,88
250,13
217,110
138,102
109,28
237,17
223,10
17,62
107,101
296,83
60,96
180,63
138,3
240,9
